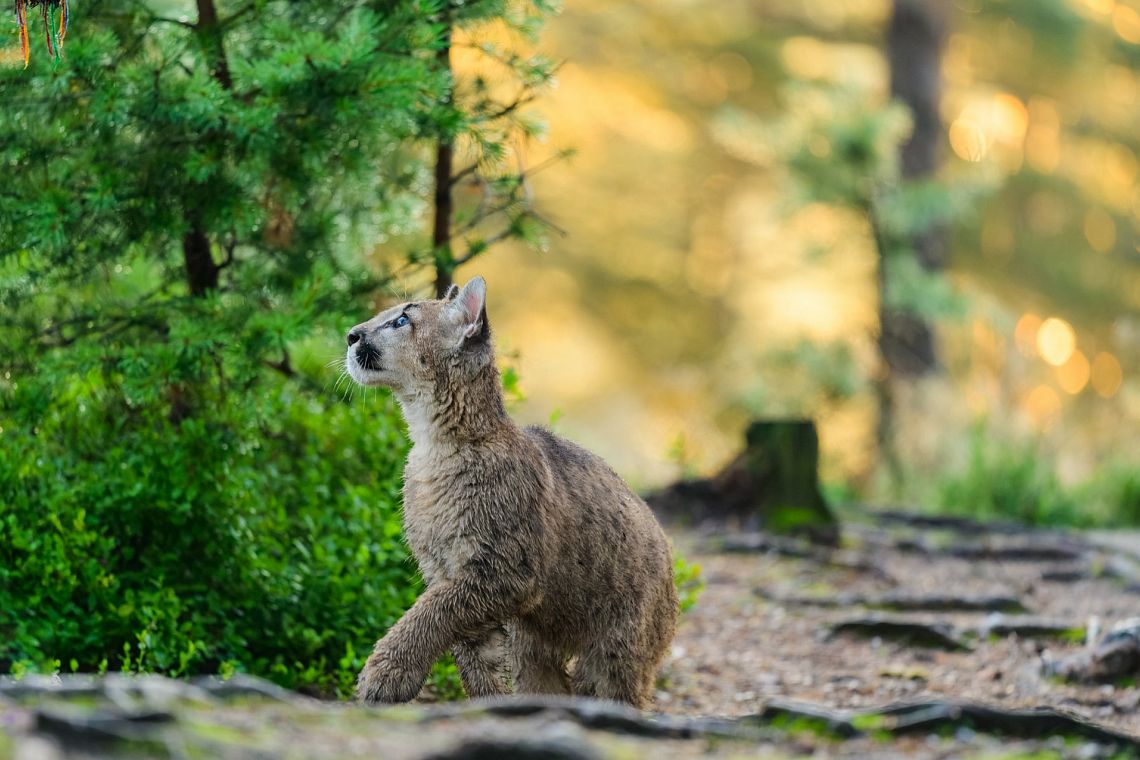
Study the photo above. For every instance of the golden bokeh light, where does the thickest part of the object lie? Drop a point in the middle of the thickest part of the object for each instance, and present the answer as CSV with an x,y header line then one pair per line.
x,y
1043,404
1043,112
999,120
1043,140
1126,22
1122,167
1074,374
1009,116
1107,374
1122,85
1100,7
1043,149
1100,230
856,65
986,338
1025,333
968,140
1056,341
805,57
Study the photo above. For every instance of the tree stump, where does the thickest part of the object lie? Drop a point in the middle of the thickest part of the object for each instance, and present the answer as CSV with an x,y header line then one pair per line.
x,y
772,485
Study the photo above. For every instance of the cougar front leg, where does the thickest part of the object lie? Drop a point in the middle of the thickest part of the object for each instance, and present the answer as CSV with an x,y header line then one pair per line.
x,y
443,616
391,674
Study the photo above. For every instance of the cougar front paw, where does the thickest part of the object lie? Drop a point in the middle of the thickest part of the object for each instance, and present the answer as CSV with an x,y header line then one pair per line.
x,y
383,682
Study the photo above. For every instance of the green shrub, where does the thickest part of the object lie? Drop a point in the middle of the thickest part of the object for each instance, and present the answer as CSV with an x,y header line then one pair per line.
x,y
1124,495
264,536
1113,495
1010,481
1005,480
690,584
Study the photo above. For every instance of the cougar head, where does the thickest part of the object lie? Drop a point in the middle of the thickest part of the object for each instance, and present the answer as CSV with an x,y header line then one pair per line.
x,y
415,345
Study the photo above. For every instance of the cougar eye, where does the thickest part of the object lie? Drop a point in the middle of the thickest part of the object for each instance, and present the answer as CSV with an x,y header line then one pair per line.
x,y
400,321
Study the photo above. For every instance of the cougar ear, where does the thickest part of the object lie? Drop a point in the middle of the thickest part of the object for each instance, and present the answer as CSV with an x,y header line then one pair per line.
x,y
472,305
452,292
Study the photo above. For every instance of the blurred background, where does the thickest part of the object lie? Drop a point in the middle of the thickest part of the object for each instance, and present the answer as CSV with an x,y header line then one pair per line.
x,y
721,259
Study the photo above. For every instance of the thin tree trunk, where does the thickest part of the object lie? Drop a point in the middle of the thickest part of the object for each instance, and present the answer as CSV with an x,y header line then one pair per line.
x,y
201,269
211,35
914,51
444,209
441,227
906,340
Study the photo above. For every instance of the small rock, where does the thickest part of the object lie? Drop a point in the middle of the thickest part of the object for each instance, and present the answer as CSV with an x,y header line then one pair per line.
x,y
1116,656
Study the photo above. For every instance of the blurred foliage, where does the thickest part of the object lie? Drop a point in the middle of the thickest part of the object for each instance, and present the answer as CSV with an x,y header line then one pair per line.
x,y
844,151
1017,480
444,682
822,374
1010,482
182,491
690,584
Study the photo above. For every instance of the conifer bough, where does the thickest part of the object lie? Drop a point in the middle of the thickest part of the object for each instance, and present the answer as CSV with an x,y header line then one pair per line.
x,y
54,30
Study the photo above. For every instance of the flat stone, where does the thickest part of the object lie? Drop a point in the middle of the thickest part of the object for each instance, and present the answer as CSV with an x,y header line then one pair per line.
x,y
930,635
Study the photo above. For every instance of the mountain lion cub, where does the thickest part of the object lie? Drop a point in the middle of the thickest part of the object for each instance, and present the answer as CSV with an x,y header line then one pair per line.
x,y
539,561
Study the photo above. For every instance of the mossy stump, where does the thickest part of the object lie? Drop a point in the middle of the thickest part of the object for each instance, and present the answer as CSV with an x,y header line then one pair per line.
x,y
772,485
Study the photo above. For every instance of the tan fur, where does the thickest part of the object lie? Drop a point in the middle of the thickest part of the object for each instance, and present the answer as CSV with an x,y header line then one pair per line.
x,y
536,555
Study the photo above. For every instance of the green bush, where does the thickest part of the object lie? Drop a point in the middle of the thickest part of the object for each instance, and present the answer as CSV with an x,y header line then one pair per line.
x,y
1005,480
1113,495
690,584
1010,481
262,537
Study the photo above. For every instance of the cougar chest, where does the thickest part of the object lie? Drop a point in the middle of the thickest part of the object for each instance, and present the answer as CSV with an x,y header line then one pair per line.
x,y
436,525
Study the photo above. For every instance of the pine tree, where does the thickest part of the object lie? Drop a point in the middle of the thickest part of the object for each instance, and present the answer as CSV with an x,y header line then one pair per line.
x,y
189,201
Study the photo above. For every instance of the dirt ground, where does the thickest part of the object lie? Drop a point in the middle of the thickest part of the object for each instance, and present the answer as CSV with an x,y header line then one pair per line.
x,y
756,632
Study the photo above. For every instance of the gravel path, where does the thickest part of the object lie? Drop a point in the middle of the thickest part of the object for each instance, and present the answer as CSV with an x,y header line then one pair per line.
x,y
757,632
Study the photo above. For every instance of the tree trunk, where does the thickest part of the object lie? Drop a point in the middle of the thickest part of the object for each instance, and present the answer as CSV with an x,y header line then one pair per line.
x,y
914,52
906,340
441,224
214,43
201,271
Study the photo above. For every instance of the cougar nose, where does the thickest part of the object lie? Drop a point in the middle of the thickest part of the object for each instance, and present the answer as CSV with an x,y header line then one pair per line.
x,y
353,337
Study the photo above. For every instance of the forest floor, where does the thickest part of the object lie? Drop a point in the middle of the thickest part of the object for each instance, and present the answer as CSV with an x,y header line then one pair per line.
x,y
911,610
916,639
